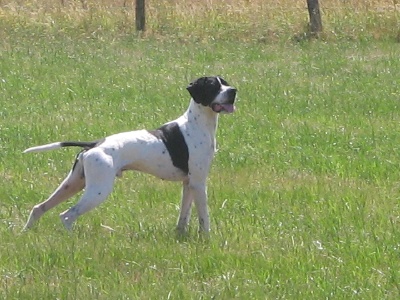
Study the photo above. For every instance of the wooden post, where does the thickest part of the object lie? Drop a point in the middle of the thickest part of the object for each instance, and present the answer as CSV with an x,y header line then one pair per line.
x,y
315,17
140,15
84,4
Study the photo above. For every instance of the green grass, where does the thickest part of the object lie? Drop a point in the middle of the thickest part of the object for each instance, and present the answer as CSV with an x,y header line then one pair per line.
x,y
303,193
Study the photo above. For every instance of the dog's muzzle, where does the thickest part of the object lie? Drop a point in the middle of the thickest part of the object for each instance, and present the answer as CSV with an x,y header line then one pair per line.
x,y
224,103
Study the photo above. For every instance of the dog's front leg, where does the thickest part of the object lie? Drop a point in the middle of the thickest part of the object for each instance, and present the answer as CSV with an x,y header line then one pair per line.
x,y
186,208
200,198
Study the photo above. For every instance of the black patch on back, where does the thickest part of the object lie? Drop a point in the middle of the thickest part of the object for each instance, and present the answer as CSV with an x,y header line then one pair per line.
x,y
175,143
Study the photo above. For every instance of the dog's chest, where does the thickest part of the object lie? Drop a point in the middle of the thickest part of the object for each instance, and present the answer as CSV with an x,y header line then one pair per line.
x,y
201,145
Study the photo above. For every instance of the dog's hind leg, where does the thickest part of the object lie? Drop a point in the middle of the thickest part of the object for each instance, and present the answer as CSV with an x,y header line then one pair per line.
x,y
100,176
186,208
71,185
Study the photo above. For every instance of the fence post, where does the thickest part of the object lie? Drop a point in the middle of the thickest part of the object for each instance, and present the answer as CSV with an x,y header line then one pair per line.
x,y
140,15
315,16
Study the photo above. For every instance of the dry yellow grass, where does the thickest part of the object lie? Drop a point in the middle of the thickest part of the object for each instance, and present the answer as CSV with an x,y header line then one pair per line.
x,y
234,19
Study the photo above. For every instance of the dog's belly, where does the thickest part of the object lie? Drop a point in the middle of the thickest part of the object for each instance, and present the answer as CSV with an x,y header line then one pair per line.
x,y
141,151
161,168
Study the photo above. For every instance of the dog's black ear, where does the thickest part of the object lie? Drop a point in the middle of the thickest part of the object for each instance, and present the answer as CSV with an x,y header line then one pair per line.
x,y
223,81
197,89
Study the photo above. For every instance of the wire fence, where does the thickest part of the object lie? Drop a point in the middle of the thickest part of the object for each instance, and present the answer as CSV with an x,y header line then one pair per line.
x,y
268,17
376,5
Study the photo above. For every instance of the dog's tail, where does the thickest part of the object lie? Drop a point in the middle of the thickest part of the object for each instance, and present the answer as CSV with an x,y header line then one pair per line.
x,y
58,145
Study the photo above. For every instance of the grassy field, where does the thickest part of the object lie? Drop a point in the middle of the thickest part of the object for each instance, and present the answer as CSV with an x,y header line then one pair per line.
x,y
304,190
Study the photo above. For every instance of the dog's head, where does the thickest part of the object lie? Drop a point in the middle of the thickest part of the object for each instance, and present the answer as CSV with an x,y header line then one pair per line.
x,y
213,92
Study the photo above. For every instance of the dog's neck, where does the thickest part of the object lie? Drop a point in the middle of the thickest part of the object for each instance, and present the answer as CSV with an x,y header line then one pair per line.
x,y
202,116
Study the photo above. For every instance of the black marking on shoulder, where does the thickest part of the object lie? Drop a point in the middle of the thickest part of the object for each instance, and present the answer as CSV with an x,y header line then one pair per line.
x,y
175,143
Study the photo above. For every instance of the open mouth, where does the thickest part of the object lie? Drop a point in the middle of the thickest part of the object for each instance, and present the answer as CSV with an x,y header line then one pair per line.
x,y
220,108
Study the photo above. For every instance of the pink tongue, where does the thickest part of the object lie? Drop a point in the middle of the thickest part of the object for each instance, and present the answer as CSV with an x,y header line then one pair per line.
x,y
229,108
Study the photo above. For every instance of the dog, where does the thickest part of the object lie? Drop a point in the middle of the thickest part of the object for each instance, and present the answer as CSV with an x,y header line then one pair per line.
x,y
180,150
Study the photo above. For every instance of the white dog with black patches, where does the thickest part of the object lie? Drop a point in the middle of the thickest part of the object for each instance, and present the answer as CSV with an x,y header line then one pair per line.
x,y
180,150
